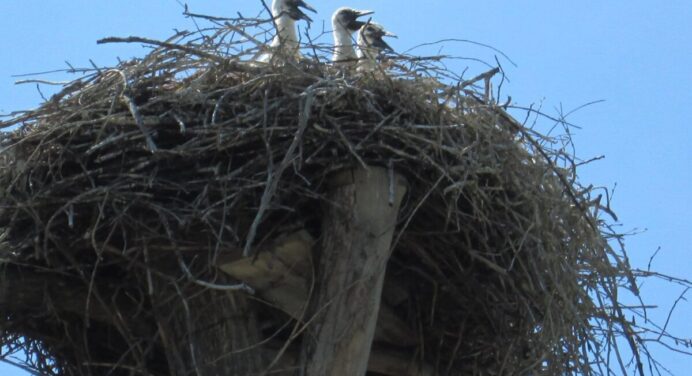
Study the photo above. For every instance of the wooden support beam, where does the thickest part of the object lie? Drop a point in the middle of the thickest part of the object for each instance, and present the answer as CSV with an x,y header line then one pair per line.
x,y
207,332
357,229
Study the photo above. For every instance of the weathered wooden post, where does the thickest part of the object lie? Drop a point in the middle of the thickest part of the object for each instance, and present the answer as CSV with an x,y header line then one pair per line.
x,y
357,229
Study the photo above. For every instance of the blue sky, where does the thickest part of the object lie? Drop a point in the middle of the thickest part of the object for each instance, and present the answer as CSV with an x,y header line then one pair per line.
x,y
635,55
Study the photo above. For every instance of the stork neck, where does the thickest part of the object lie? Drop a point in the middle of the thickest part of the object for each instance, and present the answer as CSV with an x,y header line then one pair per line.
x,y
366,57
365,51
343,44
286,32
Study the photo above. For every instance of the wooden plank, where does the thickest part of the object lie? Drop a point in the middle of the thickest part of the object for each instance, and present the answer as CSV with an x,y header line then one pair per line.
x,y
280,274
357,227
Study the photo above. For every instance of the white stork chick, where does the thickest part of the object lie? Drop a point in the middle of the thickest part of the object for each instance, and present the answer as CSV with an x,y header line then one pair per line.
x,y
371,45
285,42
344,24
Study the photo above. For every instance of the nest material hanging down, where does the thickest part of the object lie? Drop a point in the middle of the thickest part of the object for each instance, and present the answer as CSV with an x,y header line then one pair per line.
x,y
176,164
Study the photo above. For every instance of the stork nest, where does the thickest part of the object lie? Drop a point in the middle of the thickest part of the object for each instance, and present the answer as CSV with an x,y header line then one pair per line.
x,y
190,155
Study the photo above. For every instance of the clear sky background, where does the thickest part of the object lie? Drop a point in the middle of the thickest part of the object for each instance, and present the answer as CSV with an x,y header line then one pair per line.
x,y
636,55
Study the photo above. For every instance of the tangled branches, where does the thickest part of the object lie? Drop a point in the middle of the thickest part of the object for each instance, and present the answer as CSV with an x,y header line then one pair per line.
x,y
124,193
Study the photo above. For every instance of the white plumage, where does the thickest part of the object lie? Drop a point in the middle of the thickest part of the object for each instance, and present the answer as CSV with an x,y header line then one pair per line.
x,y
371,45
344,24
285,42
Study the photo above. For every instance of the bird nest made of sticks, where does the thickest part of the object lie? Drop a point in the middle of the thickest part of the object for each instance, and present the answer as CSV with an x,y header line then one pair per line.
x,y
161,169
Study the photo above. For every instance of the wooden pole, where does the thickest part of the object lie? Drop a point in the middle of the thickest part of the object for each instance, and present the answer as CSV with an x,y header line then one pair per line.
x,y
208,332
357,230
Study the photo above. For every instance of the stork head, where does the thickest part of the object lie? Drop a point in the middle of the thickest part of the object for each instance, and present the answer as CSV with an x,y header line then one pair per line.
x,y
292,8
371,34
348,18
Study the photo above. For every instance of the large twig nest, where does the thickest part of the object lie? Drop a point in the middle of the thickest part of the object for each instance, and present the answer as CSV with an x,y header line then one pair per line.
x,y
131,170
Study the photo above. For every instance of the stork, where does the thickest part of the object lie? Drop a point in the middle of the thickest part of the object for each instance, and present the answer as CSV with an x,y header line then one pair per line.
x,y
285,42
344,24
371,45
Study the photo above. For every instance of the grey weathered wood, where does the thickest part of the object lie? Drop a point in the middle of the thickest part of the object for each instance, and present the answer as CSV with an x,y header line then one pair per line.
x,y
208,332
357,229
281,274
227,340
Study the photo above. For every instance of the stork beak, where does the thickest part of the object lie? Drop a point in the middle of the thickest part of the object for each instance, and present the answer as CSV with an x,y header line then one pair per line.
x,y
307,6
356,24
382,45
298,14
391,35
361,13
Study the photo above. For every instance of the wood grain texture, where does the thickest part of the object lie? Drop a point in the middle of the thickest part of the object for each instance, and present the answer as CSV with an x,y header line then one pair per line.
x,y
357,229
